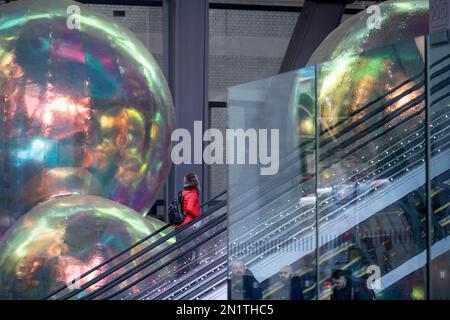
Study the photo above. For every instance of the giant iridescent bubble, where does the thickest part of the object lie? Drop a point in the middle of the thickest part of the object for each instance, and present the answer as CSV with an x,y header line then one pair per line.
x,y
399,20
84,110
64,237
358,63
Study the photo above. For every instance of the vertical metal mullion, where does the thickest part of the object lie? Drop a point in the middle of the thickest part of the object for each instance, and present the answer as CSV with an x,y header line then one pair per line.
x,y
168,186
317,136
205,168
429,226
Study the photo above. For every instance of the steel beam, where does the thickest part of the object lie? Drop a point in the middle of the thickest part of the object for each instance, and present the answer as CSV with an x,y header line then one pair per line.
x,y
316,21
186,64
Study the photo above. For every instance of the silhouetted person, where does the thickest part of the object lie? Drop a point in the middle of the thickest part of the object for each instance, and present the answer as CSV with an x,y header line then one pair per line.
x,y
242,285
292,288
346,287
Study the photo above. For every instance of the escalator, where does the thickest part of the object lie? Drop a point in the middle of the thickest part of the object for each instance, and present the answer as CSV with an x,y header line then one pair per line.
x,y
379,188
154,260
393,179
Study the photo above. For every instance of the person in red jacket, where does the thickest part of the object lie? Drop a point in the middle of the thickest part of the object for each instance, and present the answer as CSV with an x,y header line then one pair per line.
x,y
191,210
191,203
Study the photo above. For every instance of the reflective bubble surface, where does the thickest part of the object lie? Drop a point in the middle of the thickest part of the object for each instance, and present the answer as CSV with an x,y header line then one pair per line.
x,y
61,239
398,20
84,111
358,62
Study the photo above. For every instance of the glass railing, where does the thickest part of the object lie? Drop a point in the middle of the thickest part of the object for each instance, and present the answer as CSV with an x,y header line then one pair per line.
x,y
367,155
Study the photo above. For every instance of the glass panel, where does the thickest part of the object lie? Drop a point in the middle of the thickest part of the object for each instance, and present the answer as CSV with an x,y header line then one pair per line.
x,y
271,243
439,112
372,214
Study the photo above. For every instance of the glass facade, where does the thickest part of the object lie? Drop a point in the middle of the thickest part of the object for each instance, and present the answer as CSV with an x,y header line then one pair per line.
x,y
264,232
363,173
438,89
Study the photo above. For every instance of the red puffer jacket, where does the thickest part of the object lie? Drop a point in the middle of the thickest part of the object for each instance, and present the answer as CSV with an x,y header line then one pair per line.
x,y
191,206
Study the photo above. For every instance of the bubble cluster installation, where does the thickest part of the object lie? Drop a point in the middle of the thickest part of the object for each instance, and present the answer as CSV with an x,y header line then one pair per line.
x,y
86,119
358,62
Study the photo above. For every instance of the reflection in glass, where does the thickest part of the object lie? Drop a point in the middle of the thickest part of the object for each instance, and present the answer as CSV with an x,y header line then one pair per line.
x,y
270,218
371,162
439,113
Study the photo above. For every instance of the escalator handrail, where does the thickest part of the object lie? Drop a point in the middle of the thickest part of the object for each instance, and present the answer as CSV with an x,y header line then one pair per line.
x,y
353,125
157,257
153,258
376,126
367,105
373,113
439,61
407,119
329,154
198,274
209,281
209,238
368,116
159,241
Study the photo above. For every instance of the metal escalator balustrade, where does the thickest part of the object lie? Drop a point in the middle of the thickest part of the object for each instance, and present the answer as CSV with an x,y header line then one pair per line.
x,y
200,269
290,208
440,132
173,283
282,193
140,268
199,282
144,265
135,254
248,208
375,170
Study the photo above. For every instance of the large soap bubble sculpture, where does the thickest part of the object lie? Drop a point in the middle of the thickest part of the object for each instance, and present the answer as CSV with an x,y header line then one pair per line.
x,y
62,238
84,110
358,63
399,20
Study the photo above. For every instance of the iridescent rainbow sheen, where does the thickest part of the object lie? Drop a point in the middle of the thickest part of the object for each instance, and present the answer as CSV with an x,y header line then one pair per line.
x,y
357,64
83,111
62,238
399,20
